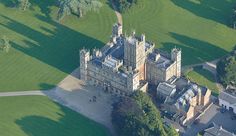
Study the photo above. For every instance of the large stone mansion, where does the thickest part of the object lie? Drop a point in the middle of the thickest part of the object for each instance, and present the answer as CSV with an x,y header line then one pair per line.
x,y
128,63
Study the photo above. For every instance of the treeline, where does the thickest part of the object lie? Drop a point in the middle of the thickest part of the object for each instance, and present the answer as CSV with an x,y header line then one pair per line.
x,y
5,44
226,69
77,7
233,18
21,4
138,116
66,7
124,5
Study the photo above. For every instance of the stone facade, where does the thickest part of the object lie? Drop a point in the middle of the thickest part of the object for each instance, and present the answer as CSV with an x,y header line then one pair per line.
x,y
200,100
128,63
162,67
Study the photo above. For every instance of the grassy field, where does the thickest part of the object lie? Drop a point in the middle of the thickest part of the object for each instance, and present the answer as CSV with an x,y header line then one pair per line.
x,y
39,116
198,27
44,51
203,77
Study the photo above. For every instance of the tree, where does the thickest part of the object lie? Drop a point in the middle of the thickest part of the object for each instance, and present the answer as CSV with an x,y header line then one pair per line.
x,y
124,5
5,45
226,69
138,116
77,7
23,4
230,71
171,131
233,18
198,134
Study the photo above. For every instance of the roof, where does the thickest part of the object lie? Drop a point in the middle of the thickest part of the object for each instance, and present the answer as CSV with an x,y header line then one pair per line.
x,y
181,83
115,50
132,40
183,102
216,130
110,62
160,60
227,97
97,62
166,88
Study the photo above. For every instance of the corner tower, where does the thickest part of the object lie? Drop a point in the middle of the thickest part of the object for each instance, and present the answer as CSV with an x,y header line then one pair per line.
x,y
176,56
84,58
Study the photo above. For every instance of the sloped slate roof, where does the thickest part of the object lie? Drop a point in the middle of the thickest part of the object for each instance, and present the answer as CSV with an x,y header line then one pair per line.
x,y
216,130
227,97
166,88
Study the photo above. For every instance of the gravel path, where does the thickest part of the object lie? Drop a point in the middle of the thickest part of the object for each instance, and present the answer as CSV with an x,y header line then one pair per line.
x,y
78,96
118,15
22,93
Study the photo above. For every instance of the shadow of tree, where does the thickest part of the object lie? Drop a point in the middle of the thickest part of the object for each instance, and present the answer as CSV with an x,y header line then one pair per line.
x,y
45,7
45,85
109,3
9,3
70,124
203,78
216,10
60,49
194,50
205,73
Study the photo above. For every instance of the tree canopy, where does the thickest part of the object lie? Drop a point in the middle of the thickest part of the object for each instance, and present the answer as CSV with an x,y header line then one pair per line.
x,y
226,69
77,7
233,18
138,116
5,44
21,4
24,4
123,5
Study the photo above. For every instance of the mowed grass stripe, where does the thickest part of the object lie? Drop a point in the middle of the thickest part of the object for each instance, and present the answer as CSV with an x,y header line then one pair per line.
x,y
200,29
44,51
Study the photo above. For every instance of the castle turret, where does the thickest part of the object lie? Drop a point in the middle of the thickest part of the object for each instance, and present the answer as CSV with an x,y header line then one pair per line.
x,y
132,81
199,96
84,58
143,39
117,30
97,53
176,56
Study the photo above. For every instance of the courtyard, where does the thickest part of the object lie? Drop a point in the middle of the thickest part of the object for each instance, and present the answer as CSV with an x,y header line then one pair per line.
x,y
89,101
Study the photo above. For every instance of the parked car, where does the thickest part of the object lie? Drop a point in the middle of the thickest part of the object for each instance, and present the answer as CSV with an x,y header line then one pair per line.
x,y
223,110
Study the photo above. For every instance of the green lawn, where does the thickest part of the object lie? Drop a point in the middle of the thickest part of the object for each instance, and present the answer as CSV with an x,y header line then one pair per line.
x,y
204,78
39,116
198,27
44,51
